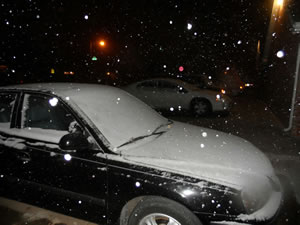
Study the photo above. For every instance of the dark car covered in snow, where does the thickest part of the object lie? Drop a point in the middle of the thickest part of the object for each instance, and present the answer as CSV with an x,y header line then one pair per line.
x,y
98,153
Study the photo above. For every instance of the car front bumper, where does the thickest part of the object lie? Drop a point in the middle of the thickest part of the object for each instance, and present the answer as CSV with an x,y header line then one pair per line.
x,y
266,215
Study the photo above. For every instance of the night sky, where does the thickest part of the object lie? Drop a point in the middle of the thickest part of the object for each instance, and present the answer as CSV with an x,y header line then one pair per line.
x,y
143,38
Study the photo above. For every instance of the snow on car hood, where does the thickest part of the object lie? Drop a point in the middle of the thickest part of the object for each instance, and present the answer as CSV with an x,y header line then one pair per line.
x,y
202,152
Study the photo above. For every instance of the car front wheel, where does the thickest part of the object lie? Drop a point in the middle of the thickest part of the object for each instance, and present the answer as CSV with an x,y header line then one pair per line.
x,y
161,211
201,107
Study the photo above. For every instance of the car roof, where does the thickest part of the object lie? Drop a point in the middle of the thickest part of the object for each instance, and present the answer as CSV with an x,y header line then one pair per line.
x,y
164,79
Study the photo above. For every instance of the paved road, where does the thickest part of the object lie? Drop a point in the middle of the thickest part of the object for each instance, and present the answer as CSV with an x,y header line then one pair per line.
x,y
249,119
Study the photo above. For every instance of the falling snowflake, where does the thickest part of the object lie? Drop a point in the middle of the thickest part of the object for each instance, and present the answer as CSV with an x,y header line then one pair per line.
x,y
280,54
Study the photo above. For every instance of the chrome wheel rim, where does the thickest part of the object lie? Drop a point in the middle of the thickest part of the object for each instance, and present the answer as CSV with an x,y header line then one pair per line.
x,y
158,219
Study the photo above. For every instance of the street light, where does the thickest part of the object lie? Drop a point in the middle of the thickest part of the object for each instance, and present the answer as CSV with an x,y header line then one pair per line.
x,y
276,14
279,3
102,43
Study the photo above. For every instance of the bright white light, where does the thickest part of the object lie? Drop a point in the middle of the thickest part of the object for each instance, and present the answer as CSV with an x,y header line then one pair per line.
x,y
228,68
280,54
195,33
218,96
202,145
67,98
189,26
204,134
209,77
137,184
53,101
171,22
239,42
279,2
86,17
187,192
67,157
165,66
171,109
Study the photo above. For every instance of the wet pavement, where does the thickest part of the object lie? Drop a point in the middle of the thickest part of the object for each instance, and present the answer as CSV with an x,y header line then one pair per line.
x,y
249,119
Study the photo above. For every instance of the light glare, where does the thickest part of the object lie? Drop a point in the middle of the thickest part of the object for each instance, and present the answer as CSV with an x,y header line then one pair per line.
x,y
53,102
280,54
67,157
279,3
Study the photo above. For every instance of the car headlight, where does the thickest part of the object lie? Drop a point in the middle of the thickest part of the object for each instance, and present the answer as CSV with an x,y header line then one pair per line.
x,y
256,196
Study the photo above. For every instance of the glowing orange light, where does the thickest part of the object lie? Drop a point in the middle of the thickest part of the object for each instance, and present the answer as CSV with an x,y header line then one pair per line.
x,y
102,43
69,73
223,91
241,87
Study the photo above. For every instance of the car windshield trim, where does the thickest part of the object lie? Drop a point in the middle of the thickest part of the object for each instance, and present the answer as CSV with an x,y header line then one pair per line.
x,y
153,133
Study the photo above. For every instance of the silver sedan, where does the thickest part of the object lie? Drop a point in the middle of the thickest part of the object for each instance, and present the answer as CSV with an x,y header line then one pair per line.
x,y
172,94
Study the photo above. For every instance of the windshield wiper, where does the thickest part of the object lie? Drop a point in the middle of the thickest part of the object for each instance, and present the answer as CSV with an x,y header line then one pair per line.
x,y
162,125
155,132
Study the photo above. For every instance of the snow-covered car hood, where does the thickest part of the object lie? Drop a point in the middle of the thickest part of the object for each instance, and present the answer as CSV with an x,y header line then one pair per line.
x,y
202,152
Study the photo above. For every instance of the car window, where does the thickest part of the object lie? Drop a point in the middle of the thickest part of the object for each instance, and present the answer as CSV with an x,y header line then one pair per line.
x,y
169,86
148,84
7,101
45,118
44,112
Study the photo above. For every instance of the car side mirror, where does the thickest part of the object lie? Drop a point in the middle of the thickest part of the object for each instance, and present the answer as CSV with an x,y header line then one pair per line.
x,y
74,141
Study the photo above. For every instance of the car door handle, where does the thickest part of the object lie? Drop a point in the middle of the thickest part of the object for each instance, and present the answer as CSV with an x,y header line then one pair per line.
x,y
23,156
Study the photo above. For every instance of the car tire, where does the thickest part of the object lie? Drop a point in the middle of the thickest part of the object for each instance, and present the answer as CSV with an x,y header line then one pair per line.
x,y
161,211
201,107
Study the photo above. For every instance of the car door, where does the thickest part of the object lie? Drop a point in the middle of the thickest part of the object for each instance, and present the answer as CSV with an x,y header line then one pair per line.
x,y
11,148
172,95
70,182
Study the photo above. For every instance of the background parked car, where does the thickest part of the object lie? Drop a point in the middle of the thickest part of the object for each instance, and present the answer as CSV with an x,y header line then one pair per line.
x,y
172,94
